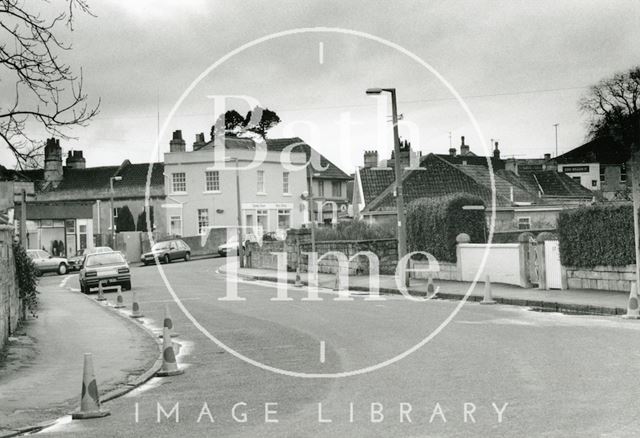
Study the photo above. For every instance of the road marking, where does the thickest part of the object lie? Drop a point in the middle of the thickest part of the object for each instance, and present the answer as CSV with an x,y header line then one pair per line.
x,y
63,282
321,351
321,52
169,301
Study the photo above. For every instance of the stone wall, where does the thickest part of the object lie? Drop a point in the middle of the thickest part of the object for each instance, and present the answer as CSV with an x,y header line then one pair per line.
x,y
10,308
385,249
447,271
613,278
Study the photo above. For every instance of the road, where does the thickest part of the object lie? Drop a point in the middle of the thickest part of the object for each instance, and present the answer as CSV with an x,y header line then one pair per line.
x,y
514,372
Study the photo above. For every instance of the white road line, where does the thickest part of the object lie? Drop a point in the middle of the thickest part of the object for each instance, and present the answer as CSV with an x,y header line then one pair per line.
x,y
169,301
321,52
322,351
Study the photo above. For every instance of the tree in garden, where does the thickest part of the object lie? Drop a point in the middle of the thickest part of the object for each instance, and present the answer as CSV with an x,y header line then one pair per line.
x,y
233,124
141,225
260,120
47,93
125,222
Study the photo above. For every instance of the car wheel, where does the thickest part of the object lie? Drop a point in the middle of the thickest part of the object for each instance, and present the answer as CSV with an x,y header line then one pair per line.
x,y
83,288
38,272
126,286
146,263
187,257
62,269
166,258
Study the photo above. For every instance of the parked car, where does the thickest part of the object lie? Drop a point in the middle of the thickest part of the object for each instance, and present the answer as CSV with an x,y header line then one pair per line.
x,y
167,251
110,268
45,262
75,262
231,245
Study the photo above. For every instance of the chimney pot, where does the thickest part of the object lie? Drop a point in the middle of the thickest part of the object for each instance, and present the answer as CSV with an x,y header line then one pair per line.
x,y
452,152
177,144
370,159
547,157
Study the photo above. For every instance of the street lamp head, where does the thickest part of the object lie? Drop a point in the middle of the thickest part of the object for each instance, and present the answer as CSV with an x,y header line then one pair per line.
x,y
374,90
117,178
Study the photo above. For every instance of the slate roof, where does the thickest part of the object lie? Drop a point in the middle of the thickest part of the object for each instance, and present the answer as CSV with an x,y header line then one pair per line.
x,y
601,150
375,180
435,177
133,175
278,145
557,184
503,186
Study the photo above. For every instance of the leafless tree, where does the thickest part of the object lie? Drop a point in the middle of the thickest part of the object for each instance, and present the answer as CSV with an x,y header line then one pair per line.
x,y
47,92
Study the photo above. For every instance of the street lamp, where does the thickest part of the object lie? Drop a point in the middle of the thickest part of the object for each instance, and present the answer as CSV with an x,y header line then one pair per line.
x,y
113,222
402,237
312,216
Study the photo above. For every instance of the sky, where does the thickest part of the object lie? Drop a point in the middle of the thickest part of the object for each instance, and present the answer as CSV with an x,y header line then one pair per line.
x,y
519,66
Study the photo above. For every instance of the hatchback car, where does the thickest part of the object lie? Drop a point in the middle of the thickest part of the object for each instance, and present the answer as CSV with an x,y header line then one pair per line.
x,y
110,268
167,251
47,263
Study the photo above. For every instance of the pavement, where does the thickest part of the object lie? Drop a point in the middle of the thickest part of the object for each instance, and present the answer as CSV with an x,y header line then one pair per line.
x,y
41,368
582,301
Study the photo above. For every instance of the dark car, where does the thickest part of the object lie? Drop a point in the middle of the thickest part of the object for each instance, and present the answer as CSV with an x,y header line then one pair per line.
x,y
167,251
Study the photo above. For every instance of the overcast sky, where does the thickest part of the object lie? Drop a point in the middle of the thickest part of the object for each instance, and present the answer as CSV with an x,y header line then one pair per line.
x,y
520,65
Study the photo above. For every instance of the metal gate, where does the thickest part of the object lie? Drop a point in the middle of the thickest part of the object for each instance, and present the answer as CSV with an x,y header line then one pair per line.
x,y
553,270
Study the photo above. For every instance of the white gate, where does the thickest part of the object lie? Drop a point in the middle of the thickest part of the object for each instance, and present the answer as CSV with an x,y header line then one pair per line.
x,y
552,266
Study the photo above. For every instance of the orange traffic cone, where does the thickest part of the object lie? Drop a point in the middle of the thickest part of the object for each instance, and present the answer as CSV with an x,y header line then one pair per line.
x,y
169,365
488,297
633,312
100,296
167,322
135,307
119,299
89,398
298,282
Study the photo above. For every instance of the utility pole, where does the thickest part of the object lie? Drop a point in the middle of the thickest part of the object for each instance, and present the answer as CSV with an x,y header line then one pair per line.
x,y
239,208
402,235
113,222
311,215
555,125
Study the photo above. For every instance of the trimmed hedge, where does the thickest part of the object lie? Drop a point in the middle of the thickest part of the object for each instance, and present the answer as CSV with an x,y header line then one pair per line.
x,y
354,230
434,223
597,235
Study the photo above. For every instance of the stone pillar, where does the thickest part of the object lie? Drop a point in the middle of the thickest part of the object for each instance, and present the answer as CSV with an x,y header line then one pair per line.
x,y
524,240
460,238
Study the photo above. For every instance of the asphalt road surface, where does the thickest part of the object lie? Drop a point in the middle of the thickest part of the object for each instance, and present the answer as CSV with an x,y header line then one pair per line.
x,y
514,372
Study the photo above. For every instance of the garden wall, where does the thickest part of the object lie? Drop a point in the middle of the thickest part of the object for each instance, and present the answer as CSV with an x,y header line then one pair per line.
x,y
613,278
10,309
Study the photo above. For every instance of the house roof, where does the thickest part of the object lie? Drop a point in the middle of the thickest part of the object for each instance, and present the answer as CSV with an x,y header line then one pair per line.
x,y
375,180
434,177
329,170
554,183
600,150
133,175
504,187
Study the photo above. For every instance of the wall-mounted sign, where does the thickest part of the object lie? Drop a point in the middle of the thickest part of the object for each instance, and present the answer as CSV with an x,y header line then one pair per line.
x,y
575,169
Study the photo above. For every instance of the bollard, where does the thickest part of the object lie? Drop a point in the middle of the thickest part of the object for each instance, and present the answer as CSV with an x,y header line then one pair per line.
x,y
633,312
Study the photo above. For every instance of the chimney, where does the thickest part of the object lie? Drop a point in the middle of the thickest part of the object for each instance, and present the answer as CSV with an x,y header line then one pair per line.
x,y
452,152
464,148
370,159
547,157
75,160
177,144
496,151
53,162
199,143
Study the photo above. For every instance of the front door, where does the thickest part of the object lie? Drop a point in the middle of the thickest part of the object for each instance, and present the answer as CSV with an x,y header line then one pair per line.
x,y
553,270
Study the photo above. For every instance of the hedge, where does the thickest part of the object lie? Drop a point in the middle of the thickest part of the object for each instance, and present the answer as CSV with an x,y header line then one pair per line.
x,y
597,235
434,223
354,230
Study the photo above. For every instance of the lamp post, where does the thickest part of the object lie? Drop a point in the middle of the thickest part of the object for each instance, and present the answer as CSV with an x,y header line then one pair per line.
x,y
113,222
239,207
311,215
402,237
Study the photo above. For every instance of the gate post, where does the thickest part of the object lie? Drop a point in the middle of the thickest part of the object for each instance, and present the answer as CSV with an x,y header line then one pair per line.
x,y
524,240
542,237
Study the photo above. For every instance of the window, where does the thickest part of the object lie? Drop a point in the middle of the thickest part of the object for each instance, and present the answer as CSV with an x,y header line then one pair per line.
x,y
321,188
623,173
524,223
601,173
336,189
285,183
203,220
261,181
262,217
176,225
179,182
594,183
284,219
212,181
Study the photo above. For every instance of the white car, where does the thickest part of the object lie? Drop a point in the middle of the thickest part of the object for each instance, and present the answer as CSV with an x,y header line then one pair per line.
x,y
45,262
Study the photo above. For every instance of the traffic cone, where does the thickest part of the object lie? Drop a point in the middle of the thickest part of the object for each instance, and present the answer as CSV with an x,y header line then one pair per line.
x,y
167,322
89,398
488,298
119,299
431,287
169,365
298,282
100,296
632,305
135,307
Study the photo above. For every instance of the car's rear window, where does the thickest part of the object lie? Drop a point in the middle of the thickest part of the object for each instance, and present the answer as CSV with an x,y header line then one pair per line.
x,y
112,258
160,245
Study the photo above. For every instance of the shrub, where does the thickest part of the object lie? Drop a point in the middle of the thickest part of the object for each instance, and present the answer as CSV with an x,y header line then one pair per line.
x,y
597,235
354,230
125,222
27,278
434,223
